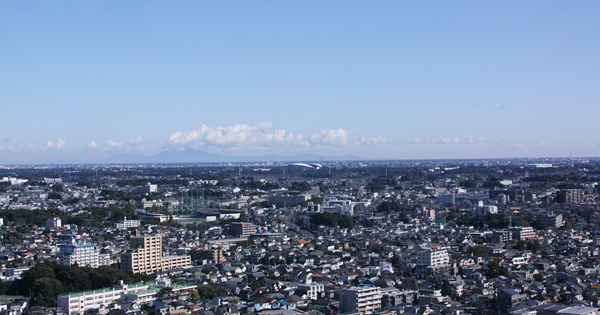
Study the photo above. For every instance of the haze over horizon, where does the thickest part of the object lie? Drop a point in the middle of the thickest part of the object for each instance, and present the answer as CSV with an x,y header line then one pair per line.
x,y
84,81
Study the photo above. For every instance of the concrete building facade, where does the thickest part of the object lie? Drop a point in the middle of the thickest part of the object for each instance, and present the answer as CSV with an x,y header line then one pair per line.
x,y
145,256
82,254
364,300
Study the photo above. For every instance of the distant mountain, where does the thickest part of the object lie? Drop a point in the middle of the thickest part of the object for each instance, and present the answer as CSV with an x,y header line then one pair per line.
x,y
195,156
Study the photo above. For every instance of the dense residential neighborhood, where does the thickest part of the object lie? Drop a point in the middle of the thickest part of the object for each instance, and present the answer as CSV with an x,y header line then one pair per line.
x,y
349,237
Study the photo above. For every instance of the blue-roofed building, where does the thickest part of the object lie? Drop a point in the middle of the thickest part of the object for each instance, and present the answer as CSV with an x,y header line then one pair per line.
x,y
83,254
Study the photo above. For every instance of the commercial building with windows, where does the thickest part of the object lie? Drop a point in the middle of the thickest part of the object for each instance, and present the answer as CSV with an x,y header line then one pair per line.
x,y
82,254
145,256
363,300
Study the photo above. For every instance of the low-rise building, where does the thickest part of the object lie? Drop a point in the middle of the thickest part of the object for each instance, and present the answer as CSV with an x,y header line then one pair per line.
x,y
364,300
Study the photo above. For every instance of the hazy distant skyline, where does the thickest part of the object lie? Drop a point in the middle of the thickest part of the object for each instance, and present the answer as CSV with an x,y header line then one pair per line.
x,y
85,80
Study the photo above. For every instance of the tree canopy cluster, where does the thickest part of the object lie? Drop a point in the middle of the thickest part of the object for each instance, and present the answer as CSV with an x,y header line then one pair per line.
x,y
333,220
380,183
533,246
387,207
46,280
496,270
210,291
30,216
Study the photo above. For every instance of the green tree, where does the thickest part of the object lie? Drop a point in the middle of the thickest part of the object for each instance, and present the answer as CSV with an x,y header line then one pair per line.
x,y
243,217
58,188
388,207
48,279
496,270
195,295
468,183
210,291
4,286
479,251
54,196
45,290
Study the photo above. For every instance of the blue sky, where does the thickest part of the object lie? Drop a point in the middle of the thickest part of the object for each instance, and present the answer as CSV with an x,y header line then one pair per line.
x,y
83,80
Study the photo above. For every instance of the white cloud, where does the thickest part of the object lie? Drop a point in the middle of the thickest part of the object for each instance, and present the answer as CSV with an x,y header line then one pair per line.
x,y
238,135
92,145
59,145
334,137
454,140
113,144
371,140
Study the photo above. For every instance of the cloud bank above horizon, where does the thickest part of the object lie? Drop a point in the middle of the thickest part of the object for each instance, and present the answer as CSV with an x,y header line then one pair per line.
x,y
263,138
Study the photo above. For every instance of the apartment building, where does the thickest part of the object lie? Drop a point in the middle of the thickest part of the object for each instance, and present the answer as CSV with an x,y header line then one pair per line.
x,y
522,232
82,254
212,255
313,290
551,219
364,300
436,257
145,256
570,196
172,262
242,229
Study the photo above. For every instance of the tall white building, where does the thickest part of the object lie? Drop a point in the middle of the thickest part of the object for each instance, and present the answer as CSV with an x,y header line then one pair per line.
x,y
363,300
82,254
436,257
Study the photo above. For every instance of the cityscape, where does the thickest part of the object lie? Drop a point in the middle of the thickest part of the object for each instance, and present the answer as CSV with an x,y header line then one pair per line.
x,y
299,157
512,236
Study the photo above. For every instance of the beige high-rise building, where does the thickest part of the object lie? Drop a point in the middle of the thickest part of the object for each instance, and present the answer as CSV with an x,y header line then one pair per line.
x,y
145,256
